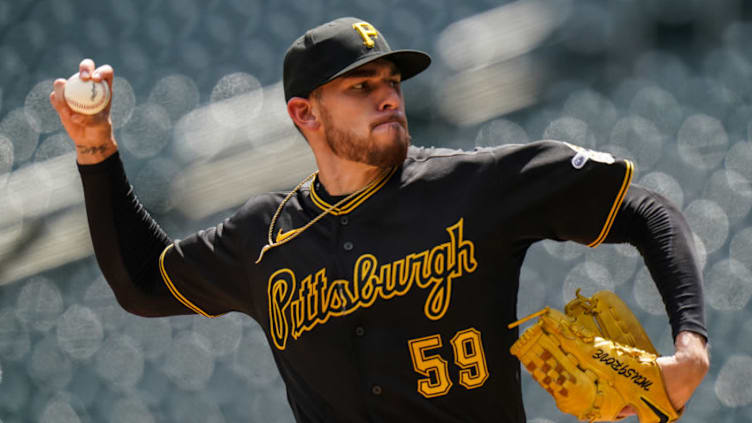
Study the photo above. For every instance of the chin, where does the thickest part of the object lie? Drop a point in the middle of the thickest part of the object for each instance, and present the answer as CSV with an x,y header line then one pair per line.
x,y
390,153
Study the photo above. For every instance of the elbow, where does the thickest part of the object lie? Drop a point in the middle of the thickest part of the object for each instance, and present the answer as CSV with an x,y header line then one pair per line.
x,y
139,295
144,305
142,309
131,304
137,303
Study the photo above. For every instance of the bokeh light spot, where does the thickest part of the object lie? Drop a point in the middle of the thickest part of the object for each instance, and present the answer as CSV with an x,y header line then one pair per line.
x,y
709,221
236,98
729,285
702,141
732,385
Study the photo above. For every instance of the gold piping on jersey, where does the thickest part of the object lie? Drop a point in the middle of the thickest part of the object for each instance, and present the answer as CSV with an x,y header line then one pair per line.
x,y
283,238
615,207
351,204
175,291
299,305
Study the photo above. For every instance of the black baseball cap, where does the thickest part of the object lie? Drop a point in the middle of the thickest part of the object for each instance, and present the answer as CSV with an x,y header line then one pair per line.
x,y
337,47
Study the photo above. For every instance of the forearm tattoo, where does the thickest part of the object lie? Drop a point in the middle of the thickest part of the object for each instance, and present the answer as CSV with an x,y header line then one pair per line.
x,y
95,149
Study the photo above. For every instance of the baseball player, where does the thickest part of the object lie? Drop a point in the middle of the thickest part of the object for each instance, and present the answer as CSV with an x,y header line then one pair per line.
x,y
384,281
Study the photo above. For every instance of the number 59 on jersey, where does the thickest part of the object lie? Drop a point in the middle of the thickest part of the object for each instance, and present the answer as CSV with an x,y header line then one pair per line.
x,y
468,356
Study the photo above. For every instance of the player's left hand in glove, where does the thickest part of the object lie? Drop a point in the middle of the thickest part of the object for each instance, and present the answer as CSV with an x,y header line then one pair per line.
x,y
589,376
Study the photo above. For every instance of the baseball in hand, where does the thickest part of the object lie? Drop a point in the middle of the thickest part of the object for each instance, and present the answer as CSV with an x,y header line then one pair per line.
x,y
86,97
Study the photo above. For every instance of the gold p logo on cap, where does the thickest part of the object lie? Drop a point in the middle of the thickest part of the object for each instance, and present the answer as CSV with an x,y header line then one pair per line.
x,y
367,32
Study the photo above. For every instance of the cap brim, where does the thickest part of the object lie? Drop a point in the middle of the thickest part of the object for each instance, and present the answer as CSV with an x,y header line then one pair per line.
x,y
408,62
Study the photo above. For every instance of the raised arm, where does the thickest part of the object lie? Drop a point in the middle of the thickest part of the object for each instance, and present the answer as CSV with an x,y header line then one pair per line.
x,y
127,241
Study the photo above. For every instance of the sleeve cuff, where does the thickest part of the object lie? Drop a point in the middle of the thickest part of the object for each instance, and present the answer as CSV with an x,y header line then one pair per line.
x,y
691,327
105,166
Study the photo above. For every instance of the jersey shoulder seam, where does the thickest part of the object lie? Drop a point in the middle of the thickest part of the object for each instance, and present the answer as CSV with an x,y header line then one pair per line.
x,y
173,289
448,154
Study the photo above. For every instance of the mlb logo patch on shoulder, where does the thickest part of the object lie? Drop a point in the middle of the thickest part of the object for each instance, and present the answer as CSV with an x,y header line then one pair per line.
x,y
579,160
582,155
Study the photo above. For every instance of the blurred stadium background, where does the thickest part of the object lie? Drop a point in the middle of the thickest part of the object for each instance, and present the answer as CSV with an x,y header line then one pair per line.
x,y
200,119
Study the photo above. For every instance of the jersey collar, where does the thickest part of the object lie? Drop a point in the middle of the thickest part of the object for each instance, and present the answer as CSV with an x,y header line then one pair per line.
x,y
319,199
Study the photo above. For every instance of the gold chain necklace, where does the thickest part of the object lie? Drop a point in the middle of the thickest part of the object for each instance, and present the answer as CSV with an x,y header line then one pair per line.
x,y
271,244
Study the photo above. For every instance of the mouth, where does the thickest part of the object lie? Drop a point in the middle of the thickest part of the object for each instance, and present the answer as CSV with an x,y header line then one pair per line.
x,y
394,120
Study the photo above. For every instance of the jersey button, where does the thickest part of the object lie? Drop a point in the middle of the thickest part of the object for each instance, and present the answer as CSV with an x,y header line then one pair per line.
x,y
376,390
344,220
348,246
360,331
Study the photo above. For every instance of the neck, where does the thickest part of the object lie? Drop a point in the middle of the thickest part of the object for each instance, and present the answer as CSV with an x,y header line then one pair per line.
x,y
342,177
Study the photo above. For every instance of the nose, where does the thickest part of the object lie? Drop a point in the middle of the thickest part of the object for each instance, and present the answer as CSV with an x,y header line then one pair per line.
x,y
390,97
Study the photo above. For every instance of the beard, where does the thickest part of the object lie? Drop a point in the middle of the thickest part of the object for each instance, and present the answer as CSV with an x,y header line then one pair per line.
x,y
348,145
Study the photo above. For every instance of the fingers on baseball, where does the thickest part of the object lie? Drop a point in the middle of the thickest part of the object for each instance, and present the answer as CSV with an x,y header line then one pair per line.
x,y
85,69
103,73
57,98
107,74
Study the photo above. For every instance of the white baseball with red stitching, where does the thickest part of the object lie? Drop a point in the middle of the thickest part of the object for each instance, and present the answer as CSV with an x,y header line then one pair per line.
x,y
86,97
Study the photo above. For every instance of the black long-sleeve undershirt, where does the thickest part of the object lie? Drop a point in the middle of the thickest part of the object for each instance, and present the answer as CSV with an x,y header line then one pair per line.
x,y
653,225
128,242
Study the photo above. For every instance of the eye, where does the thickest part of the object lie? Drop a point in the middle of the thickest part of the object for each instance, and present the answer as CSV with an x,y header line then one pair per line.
x,y
360,86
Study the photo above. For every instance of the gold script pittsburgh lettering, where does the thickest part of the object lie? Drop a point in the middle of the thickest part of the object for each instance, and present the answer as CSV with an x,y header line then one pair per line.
x,y
297,306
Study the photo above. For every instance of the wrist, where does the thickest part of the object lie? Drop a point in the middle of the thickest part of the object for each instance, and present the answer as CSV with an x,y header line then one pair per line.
x,y
692,346
95,153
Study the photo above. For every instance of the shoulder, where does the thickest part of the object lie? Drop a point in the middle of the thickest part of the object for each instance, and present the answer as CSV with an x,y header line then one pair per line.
x,y
259,208
428,154
502,153
445,165
508,162
443,159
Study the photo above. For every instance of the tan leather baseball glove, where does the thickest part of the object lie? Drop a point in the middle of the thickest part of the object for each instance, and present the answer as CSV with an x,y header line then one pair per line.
x,y
595,359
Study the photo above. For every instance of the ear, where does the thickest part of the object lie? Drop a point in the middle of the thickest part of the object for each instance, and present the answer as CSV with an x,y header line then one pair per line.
x,y
301,112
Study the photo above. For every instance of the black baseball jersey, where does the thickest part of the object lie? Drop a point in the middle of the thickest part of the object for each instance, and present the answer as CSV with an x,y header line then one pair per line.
x,y
394,306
